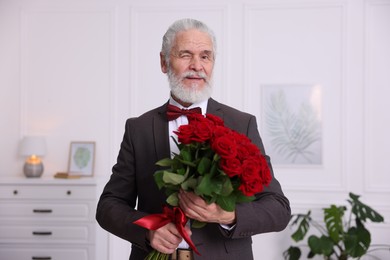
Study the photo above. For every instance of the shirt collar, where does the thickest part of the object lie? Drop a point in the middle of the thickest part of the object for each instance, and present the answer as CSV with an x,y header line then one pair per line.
x,y
202,105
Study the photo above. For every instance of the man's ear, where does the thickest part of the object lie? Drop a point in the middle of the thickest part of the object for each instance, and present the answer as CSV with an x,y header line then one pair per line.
x,y
163,63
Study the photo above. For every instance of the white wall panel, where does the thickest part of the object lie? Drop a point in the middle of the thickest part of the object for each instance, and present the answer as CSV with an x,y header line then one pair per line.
x,y
9,90
376,98
293,45
66,77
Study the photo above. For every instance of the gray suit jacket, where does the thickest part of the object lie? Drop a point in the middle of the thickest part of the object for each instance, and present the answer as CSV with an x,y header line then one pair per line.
x,y
131,192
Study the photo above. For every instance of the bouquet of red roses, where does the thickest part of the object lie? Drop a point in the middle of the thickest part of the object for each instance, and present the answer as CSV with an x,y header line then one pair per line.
x,y
215,162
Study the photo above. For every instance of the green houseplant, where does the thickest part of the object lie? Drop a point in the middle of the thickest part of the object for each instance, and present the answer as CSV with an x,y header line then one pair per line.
x,y
341,237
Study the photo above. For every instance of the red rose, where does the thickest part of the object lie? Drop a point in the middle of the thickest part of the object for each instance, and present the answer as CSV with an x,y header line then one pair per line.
x,y
219,131
202,131
250,177
195,118
232,167
185,133
224,147
250,168
242,153
253,149
240,138
251,187
265,172
216,120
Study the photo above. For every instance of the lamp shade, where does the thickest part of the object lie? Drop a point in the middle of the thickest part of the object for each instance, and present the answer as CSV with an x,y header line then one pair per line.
x,y
33,145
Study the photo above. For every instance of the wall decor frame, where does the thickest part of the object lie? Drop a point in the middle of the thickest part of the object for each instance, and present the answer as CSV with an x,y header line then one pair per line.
x,y
292,123
81,158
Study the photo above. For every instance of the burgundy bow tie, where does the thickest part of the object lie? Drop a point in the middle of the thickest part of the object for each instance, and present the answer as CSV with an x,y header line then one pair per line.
x,y
174,112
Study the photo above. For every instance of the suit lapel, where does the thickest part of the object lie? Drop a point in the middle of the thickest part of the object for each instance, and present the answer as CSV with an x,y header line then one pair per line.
x,y
160,132
213,107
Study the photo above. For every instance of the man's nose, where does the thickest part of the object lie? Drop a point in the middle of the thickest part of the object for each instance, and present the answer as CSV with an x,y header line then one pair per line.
x,y
196,64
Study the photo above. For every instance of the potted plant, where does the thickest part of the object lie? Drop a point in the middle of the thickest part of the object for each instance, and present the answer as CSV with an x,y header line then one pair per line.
x,y
341,237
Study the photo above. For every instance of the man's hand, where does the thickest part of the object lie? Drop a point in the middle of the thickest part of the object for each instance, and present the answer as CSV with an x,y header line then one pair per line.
x,y
166,239
197,208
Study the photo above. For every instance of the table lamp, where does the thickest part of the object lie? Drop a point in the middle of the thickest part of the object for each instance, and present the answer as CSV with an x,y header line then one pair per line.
x,y
33,147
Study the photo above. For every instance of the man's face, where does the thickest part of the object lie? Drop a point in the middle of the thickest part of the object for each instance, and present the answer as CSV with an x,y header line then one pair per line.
x,y
190,66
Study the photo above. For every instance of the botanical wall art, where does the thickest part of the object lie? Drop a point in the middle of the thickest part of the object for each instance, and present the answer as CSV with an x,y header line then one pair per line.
x,y
291,123
81,158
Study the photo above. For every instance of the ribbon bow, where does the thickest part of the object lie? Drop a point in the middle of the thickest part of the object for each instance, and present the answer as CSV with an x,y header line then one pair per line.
x,y
174,112
175,215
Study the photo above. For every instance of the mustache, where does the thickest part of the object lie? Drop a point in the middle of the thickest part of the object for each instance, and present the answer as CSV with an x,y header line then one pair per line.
x,y
200,74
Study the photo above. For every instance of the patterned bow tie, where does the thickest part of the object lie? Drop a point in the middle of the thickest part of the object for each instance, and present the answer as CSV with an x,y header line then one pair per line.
x,y
174,112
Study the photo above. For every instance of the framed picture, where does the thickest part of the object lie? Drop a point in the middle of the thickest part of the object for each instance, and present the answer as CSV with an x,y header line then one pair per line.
x,y
81,158
292,123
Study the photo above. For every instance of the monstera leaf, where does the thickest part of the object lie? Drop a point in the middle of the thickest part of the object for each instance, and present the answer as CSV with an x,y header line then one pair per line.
x,y
333,217
303,222
362,211
357,240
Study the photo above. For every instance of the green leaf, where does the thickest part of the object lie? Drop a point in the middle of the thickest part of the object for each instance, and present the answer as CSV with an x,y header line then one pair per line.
x,y
362,211
173,199
198,224
357,240
189,184
186,154
227,187
204,165
172,178
321,246
166,162
333,217
182,171
185,162
207,186
292,253
303,221
227,203
158,178
214,168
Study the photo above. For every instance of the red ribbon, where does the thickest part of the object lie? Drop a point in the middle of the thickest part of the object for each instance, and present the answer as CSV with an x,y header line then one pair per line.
x,y
175,215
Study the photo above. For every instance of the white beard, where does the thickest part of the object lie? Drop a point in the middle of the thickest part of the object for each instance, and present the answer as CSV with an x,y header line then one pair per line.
x,y
192,94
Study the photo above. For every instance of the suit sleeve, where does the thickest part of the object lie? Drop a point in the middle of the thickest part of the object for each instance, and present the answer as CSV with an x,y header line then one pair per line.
x,y
270,212
116,207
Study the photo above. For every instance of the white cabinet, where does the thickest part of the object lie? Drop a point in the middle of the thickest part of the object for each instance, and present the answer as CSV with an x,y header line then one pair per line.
x,y
50,219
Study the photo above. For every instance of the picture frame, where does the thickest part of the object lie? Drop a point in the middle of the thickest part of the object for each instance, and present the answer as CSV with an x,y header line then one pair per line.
x,y
292,123
81,159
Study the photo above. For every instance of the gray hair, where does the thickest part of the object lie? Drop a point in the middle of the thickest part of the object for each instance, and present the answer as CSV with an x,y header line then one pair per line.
x,y
184,25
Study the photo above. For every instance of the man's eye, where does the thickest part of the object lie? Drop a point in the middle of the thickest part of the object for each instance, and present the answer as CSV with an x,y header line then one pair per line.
x,y
185,56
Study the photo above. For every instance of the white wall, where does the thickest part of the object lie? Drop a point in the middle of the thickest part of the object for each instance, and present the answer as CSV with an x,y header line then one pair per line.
x,y
75,70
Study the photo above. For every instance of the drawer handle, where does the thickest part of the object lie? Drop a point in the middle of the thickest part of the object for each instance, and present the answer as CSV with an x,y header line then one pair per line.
x,y
42,210
42,233
41,258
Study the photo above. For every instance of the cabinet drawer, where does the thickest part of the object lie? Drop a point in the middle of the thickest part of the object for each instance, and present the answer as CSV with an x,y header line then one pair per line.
x,y
13,253
47,210
13,233
46,192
